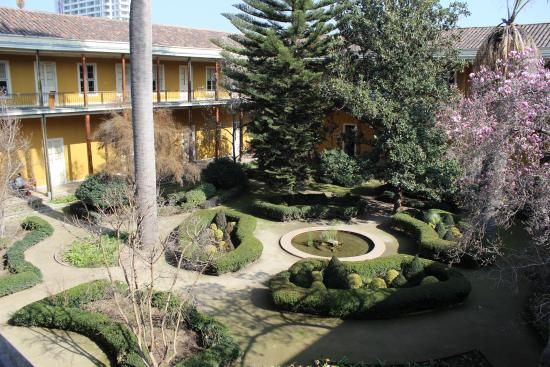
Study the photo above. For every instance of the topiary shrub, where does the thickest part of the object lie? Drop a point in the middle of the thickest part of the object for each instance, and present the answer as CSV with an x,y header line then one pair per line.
x,y
335,275
430,279
292,290
378,283
316,276
441,229
224,174
354,281
413,270
391,275
336,167
399,282
103,191
432,217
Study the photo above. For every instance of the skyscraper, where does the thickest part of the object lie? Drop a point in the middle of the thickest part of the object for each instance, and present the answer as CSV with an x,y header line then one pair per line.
x,y
112,9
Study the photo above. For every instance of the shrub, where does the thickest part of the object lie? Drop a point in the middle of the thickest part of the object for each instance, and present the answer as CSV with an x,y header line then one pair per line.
x,y
399,282
87,254
335,275
290,293
441,230
449,220
336,167
391,275
224,174
116,340
317,276
430,279
247,247
354,281
449,236
24,274
432,217
193,199
102,191
413,270
378,283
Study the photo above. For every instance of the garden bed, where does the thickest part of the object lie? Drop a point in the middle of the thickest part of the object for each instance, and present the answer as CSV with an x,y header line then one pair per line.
x,y
381,288
216,247
289,207
66,311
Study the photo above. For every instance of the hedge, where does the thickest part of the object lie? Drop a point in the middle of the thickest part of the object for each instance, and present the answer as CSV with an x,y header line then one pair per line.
x,y
429,243
115,339
247,247
285,208
292,290
24,274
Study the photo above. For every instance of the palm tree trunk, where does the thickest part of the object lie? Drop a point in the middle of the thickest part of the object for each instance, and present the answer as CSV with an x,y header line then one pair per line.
x,y
141,39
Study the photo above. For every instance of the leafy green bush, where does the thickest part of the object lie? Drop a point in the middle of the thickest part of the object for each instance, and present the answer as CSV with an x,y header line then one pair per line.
x,y
102,191
67,199
247,247
413,270
291,290
117,341
335,275
336,167
449,220
441,229
87,254
399,281
378,283
193,199
391,275
224,174
354,281
430,279
24,274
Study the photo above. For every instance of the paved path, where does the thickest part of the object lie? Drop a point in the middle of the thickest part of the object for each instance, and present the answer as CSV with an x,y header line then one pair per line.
x,y
489,321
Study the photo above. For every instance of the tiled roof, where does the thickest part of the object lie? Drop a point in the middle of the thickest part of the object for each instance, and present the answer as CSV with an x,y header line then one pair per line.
x,y
72,27
472,38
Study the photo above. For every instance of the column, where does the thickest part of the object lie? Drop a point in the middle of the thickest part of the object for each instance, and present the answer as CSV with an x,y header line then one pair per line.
x,y
87,123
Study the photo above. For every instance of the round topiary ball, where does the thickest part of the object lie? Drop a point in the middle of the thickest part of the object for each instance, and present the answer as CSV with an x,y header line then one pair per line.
x,y
391,275
430,279
378,283
354,281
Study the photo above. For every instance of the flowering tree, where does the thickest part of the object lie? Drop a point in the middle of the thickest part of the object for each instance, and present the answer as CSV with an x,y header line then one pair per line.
x,y
500,136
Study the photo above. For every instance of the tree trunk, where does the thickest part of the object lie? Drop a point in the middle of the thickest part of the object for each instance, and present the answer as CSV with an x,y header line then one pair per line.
x,y
141,57
545,359
398,200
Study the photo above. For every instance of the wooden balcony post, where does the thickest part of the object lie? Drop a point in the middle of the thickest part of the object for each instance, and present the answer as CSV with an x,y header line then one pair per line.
x,y
87,124
44,128
123,78
218,133
158,79
39,78
189,80
191,135
217,92
85,80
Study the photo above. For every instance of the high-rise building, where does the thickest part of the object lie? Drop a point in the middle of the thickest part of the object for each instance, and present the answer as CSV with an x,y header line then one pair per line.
x,y
112,9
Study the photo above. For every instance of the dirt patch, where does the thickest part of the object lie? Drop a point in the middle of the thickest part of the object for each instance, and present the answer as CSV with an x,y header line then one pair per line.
x,y
187,341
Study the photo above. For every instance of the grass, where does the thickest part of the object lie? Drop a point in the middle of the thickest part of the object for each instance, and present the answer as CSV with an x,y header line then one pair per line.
x,y
67,199
323,187
311,243
89,254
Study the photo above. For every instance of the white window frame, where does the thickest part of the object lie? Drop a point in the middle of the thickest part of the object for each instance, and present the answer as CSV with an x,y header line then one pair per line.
x,y
118,66
214,81
96,80
184,82
162,78
344,138
8,75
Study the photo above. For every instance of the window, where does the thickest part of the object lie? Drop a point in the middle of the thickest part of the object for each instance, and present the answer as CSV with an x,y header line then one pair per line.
x,y
162,88
91,76
210,78
4,77
119,78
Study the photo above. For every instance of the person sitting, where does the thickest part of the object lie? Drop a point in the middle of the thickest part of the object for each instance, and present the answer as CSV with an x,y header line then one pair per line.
x,y
21,185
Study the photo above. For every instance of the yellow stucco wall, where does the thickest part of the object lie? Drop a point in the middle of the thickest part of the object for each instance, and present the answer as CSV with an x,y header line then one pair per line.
x,y
335,127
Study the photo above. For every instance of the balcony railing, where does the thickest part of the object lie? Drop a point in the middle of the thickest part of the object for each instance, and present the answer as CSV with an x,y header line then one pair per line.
x,y
103,98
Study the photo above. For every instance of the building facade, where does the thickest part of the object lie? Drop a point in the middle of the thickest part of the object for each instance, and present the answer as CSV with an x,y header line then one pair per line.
x,y
111,9
62,76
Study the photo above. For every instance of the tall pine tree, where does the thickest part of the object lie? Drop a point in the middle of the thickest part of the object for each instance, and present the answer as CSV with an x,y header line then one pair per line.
x,y
277,64
398,56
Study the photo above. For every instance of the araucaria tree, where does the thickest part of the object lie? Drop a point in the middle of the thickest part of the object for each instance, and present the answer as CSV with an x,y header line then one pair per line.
x,y
277,64
393,76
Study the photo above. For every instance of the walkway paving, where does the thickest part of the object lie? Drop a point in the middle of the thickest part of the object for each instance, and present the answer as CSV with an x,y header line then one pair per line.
x,y
490,320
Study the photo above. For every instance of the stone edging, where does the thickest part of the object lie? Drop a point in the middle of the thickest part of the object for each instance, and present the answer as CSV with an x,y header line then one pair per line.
x,y
377,250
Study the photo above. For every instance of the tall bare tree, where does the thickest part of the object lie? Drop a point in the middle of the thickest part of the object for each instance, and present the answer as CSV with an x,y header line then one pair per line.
x,y
141,58
12,146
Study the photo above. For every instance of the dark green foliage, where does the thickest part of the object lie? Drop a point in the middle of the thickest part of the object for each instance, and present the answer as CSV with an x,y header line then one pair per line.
x,y
193,198
336,167
309,206
430,279
432,217
413,270
103,191
449,236
247,247
399,282
277,61
398,85
288,294
63,312
441,230
24,274
224,174
449,220
335,275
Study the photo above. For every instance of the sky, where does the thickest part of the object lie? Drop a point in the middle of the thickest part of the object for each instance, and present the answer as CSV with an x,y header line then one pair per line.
x,y
207,13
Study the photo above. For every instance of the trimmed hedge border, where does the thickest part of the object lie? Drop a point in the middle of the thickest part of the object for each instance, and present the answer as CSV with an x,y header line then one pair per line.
x,y
248,247
119,343
24,274
294,290
284,208
429,243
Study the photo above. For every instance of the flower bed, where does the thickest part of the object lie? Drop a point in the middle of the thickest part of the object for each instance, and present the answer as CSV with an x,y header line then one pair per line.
x,y
308,206
381,288
219,259
24,274
117,341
